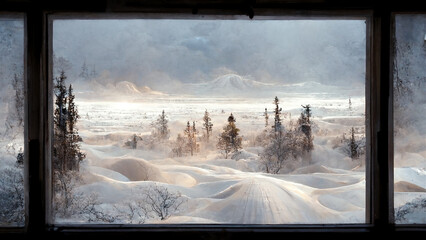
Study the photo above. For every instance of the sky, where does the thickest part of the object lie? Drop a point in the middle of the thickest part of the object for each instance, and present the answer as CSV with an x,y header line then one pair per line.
x,y
164,54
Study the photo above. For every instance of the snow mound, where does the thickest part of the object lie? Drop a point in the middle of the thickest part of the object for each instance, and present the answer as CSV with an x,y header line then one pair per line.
x,y
94,174
313,169
412,175
137,170
243,154
180,179
349,198
264,201
403,186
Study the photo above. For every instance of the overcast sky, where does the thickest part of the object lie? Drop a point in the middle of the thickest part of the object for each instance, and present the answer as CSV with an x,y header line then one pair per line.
x,y
156,52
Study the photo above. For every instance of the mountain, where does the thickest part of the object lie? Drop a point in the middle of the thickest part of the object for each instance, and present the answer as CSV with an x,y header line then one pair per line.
x,y
233,85
228,85
120,90
129,88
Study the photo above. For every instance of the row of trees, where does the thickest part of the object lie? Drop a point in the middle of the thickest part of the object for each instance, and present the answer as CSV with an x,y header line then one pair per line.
x,y
279,144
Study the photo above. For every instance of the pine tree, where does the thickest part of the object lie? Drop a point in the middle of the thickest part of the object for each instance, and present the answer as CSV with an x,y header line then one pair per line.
x,y
266,117
74,139
60,146
191,145
207,125
161,130
229,141
84,71
353,146
278,128
305,127
66,141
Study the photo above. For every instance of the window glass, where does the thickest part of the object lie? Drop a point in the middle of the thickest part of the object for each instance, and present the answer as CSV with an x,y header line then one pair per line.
x,y
209,121
409,125
12,97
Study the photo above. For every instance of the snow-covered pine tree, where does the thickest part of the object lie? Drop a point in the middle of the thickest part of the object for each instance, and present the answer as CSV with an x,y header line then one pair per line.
x,y
207,125
229,141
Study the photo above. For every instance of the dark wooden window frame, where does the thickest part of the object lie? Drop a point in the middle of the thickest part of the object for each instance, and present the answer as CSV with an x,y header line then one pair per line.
x,y
379,108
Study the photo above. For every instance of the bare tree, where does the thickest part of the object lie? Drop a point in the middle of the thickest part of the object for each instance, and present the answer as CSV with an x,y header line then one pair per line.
x,y
162,202
12,196
179,146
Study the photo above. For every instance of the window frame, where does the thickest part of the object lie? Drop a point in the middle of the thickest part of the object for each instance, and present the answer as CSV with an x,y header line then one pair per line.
x,y
379,108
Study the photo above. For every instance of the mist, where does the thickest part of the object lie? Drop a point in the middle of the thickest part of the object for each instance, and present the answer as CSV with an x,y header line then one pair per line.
x,y
164,54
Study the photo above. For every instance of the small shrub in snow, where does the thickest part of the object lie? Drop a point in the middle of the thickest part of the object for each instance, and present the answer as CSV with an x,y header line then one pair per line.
x,y
411,212
133,141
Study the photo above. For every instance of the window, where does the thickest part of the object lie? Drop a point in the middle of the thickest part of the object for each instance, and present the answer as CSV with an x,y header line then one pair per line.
x,y
209,121
12,97
409,127
44,64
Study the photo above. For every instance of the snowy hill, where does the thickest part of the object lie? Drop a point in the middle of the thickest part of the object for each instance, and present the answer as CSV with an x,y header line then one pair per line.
x,y
228,85
129,88
120,90
233,85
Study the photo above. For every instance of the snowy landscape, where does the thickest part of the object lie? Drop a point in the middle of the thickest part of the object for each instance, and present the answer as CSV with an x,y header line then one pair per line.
x,y
330,189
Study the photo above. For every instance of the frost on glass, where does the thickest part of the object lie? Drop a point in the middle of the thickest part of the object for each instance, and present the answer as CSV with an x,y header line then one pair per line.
x,y
409,124
209,121
12,95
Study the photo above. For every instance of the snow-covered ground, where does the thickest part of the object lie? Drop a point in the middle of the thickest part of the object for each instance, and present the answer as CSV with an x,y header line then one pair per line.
x,y
218,190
